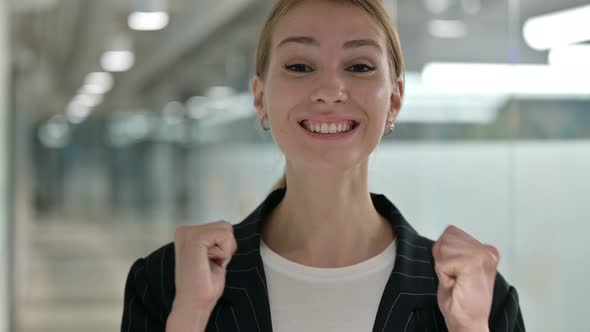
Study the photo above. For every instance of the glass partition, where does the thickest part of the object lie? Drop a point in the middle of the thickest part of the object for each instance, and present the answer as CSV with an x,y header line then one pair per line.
x,y
493,137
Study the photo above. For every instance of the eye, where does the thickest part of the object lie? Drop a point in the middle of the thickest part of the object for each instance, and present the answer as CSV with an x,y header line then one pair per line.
x,y
361,68
299,68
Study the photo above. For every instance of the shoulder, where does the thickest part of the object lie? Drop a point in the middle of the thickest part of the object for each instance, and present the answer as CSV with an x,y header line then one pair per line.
x,y
150,282
505,306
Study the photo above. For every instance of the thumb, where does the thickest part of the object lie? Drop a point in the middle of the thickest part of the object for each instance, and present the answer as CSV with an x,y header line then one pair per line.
x,y
445,281
495,253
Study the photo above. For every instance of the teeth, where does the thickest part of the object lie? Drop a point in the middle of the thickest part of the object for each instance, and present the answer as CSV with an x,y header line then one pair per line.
x,y
325,128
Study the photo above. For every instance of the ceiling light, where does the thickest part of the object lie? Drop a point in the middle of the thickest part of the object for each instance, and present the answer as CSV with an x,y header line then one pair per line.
x,y
117,61
92,89
577,56
530,80
557,29
148,21
195,107
447,28
422,105
76,112
91,100
220,91
437,6
98,82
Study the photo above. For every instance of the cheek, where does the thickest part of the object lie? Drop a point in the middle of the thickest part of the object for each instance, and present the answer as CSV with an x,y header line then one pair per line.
x,y
283,95
374,97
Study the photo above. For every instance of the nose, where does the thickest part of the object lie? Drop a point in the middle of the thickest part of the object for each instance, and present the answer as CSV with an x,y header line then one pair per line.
x,y
330,89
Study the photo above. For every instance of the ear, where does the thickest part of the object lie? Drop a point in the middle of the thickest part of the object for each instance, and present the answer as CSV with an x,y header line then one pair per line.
x,y
397,94
258,96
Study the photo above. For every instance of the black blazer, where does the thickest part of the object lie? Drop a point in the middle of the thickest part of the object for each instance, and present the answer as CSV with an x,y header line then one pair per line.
x,y
408,302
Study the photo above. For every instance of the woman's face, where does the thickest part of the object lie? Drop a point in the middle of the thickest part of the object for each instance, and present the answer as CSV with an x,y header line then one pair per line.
x,y
328,70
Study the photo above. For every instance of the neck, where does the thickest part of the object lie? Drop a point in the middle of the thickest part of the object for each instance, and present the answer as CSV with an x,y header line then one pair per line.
x,y
327,220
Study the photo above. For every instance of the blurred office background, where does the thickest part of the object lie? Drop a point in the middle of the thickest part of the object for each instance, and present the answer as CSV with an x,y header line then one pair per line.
x,y
121,119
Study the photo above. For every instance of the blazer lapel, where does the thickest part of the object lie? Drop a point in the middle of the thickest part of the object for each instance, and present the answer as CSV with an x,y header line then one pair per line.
x,y
244,304
408,302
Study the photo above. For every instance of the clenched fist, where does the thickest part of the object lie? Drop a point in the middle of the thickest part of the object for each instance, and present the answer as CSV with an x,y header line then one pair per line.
x,y
466,269
202,253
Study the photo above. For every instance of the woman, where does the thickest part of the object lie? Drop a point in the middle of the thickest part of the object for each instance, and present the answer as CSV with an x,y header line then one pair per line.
x,y
324,254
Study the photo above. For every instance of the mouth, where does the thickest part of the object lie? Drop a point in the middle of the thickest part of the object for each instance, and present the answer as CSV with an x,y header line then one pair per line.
x,y
325,128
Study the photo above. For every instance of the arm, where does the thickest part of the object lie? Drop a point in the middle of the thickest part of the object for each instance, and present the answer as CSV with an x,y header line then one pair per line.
x,y
141,309
181,320
506,314
150,298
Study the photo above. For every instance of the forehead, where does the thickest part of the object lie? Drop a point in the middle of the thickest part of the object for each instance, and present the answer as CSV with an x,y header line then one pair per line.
x,y
328,21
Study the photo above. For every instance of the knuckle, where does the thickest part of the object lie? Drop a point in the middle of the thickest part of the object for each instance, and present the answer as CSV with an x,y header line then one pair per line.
x,y
438,268
221,224
477,260
494,251
227,225
458,231
449,231
444,247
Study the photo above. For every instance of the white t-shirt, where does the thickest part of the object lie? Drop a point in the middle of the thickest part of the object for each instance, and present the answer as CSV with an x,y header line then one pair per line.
x,y
343,299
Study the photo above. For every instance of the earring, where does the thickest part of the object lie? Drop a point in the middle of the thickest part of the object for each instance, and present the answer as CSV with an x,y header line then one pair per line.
x,y
262,122
391,127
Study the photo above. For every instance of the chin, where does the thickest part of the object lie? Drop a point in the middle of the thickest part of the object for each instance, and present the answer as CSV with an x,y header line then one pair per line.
x,y
331,163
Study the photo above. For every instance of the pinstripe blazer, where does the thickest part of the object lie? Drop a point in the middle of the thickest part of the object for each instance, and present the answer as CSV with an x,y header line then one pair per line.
x,y
408,302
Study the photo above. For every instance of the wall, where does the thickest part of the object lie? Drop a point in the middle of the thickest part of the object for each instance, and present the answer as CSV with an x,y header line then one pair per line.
x,y
4,198
528,198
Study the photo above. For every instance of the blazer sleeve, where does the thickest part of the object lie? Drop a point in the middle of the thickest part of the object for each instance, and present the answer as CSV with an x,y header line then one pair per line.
x,y
149,292
505,315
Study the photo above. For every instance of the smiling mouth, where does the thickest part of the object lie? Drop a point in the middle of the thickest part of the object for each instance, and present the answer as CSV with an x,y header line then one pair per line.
x,y
327,129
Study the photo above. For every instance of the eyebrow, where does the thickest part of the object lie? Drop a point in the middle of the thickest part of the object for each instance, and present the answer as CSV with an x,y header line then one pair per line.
x,y
314,42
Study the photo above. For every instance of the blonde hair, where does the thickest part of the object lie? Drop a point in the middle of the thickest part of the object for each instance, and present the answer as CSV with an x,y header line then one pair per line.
x,y
374,8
